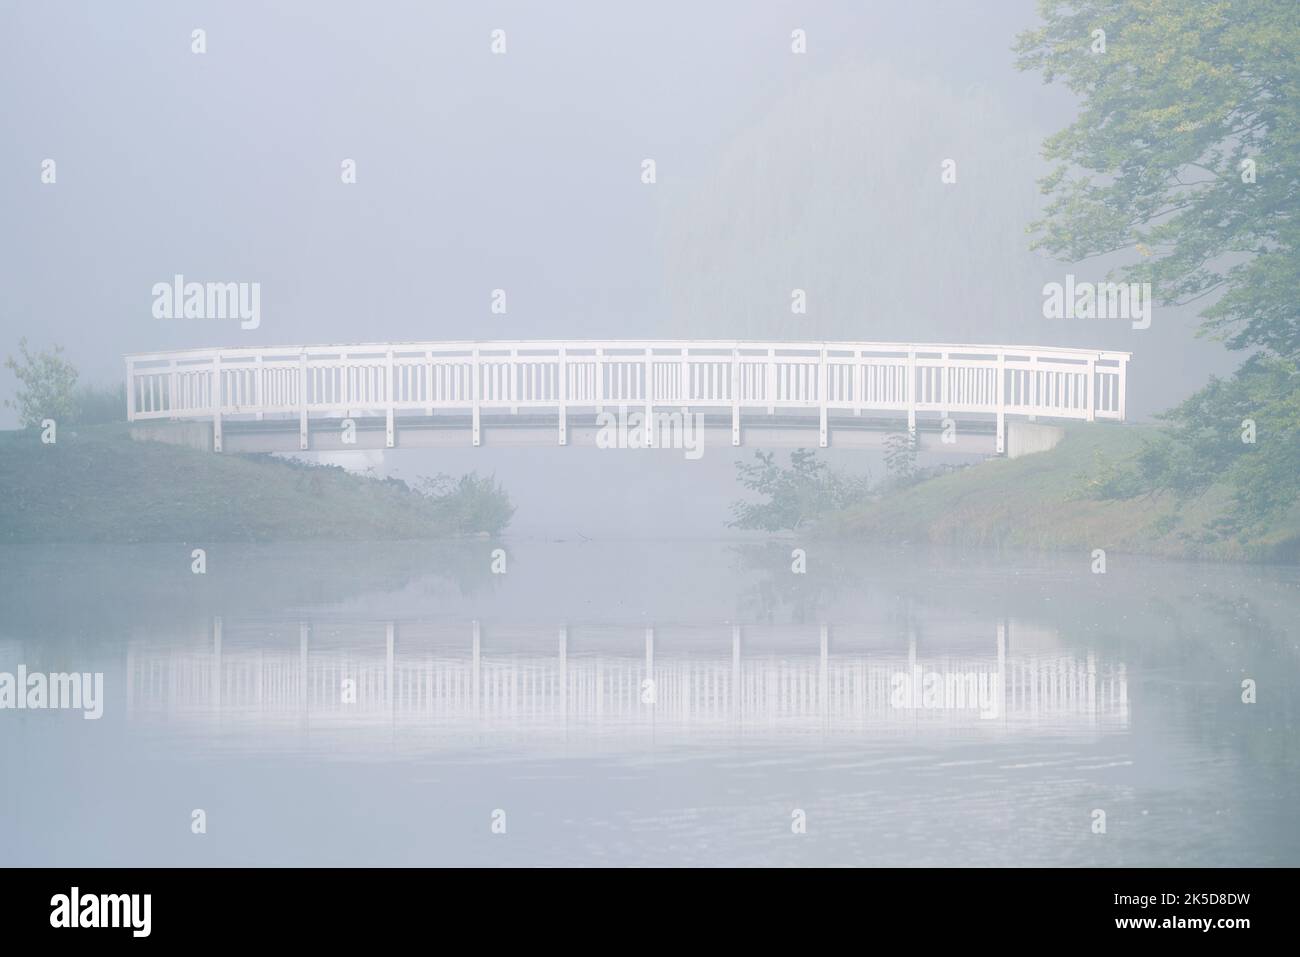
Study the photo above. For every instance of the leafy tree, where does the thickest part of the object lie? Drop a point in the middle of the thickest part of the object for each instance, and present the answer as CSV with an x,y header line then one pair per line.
x,y
900,458
1243,431
47,386
1186,151
805,491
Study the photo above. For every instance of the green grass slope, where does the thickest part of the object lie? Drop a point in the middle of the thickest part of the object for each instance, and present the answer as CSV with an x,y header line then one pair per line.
x,y
96,485
1037,502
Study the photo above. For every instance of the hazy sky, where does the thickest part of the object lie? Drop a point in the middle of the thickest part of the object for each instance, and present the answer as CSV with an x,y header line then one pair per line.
x,y
477,171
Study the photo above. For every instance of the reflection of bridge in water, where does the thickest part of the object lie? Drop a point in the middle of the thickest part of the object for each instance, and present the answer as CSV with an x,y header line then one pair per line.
x,y
533,680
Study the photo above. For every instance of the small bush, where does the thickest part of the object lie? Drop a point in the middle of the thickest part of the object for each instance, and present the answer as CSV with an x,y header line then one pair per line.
x,y
802,493
468,504
46,386
1111,480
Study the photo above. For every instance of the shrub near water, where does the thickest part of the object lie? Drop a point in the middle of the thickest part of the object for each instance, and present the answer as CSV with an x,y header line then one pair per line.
x,y
795,496
47,388
469,503
1242,432
47,385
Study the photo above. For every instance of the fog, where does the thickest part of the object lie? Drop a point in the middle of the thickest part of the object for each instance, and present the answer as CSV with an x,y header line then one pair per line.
x,y
338,671
521,172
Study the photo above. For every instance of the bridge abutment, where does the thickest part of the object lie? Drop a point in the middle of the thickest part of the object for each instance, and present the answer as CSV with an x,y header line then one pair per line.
x,y
192,435
1026,438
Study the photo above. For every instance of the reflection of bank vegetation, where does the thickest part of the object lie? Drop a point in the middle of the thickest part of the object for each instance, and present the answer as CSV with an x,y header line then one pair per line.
x,y
122,588
769,591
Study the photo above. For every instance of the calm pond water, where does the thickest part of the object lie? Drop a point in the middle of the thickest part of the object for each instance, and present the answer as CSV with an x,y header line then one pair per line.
x,y
651,703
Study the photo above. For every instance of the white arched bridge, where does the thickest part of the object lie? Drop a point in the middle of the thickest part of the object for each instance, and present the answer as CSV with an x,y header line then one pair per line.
x,y
390,395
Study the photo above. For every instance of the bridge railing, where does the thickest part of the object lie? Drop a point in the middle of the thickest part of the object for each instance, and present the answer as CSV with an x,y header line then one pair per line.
x,y
822,377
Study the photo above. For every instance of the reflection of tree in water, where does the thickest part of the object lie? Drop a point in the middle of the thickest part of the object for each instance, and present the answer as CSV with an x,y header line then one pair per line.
x,y
468,566
774,592
281,575
1231,639
102,593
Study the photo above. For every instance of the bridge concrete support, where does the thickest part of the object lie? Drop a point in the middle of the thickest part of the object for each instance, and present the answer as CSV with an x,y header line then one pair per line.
x,y
911,393
563,389
217,403
388,412
303,386
735,397
193,435
1026,438
475,398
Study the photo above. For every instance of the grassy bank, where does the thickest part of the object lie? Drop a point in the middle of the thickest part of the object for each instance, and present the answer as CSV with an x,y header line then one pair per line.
x,y
1042,501
96,485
